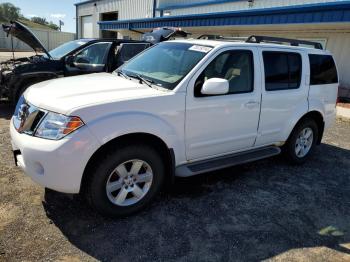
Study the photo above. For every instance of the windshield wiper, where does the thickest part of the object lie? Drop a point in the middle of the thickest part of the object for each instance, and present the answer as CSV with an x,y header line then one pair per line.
x,y
121,73
143,80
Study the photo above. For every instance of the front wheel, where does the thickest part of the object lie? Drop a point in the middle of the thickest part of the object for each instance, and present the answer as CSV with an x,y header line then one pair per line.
x,y
301,142
125,181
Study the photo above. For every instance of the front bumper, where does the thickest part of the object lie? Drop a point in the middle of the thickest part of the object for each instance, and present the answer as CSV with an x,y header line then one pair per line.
x,y
58,165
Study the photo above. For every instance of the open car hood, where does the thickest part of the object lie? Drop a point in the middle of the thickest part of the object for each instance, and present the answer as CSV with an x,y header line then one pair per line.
x,y
24,34
163,34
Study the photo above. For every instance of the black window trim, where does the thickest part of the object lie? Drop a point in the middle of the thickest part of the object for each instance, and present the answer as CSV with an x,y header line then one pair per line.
x,y
301,71
242,92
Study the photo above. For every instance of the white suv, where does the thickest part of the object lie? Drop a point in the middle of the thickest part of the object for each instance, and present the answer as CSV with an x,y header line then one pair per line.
x,y
180,108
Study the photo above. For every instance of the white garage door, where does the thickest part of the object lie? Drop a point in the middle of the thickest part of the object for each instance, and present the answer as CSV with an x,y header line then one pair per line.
x,y
86,26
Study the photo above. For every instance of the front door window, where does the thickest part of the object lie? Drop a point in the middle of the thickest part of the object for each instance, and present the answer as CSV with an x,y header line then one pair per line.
x,y
93,55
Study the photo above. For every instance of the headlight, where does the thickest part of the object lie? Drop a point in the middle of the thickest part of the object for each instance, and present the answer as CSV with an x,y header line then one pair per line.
x,y
55,126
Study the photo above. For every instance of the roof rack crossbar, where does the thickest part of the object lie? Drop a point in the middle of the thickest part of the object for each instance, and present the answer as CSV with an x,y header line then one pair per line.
x,y
280,40
220,37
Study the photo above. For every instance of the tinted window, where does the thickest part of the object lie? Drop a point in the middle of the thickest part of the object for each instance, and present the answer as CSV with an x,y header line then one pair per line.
x,y
93,54
323,70
235,66
294,62
128,51
282,70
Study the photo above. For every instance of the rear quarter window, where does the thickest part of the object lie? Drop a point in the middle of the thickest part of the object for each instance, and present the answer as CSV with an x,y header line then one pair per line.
x,y
322,70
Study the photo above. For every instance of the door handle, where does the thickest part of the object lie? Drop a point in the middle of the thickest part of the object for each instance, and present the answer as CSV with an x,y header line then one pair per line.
x,y
251,104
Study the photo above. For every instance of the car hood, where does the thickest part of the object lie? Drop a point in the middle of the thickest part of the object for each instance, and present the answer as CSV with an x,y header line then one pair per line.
x,y
64,95
24,34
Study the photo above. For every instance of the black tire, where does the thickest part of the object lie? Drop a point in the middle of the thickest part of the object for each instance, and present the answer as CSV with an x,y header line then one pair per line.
x,y
289,148
96,192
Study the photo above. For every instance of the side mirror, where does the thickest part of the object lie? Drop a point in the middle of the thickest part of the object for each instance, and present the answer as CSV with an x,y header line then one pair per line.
x,y
70,60
215,86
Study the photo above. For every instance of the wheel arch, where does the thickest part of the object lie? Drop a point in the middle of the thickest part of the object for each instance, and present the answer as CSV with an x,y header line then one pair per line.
x,y
154,141
317,116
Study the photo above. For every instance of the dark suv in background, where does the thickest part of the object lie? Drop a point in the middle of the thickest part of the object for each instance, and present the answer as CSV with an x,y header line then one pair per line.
x,y
77,57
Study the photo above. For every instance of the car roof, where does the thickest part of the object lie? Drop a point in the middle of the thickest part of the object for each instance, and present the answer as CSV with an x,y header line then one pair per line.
x,y
115,40
230,43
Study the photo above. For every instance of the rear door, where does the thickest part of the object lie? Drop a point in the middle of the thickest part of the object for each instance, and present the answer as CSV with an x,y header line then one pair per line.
x,y
284,92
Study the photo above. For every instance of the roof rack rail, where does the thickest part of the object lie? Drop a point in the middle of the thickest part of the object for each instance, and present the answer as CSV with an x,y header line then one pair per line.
x,y
280,40
220,37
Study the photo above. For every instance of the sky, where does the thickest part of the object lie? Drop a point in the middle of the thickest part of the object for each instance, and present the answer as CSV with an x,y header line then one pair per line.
x,y
52,10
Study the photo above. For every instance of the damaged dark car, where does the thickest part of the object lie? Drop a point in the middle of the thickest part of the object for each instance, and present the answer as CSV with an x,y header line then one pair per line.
x,y
77,57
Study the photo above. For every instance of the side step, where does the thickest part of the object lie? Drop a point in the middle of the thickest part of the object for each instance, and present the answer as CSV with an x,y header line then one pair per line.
x,y
226,161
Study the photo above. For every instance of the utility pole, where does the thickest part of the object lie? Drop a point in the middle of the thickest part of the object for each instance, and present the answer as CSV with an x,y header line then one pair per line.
x,y
61,24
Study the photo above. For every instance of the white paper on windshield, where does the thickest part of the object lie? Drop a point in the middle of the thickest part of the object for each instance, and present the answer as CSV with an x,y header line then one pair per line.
x,y
200,48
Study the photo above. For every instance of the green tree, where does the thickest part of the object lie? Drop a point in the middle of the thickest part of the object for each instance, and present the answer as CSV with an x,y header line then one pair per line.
x,y
43,21
53,26
39,20
9,12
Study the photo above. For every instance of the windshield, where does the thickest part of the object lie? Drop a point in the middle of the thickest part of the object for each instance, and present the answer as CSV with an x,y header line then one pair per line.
x,y
66,48
166,64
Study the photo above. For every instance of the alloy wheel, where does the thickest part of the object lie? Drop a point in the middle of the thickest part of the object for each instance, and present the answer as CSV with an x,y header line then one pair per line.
x,y
304,142
129,182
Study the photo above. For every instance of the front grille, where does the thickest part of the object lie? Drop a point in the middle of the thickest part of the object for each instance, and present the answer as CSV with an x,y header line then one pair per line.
x,y
27,117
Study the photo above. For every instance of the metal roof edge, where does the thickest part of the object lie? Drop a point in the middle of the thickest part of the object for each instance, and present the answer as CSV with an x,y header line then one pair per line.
x,y
284,9
86,2
189,5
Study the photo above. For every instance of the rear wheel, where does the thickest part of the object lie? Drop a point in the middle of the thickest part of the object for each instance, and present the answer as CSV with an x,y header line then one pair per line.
x,y
126,181
302,141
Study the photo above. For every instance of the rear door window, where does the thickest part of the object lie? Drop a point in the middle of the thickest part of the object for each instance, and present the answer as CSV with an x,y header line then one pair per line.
x,y
322,70
282,70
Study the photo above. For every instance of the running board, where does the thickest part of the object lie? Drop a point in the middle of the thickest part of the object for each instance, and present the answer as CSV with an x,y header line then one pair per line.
x,y
226,161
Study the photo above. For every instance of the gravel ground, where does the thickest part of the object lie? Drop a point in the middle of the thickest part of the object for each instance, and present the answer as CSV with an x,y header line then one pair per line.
x,y
263,210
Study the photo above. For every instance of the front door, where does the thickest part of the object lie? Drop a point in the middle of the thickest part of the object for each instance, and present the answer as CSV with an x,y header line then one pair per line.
x,y
91,59
222,124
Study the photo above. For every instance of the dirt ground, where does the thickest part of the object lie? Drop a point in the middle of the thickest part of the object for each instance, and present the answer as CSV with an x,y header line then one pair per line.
x,y
267,210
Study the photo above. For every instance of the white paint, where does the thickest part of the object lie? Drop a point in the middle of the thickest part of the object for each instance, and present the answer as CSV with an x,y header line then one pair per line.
x,y
195,128
215,86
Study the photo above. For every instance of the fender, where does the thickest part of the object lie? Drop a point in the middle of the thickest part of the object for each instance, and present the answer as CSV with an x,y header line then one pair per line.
x,y
302,109
314,105
129,122
317,105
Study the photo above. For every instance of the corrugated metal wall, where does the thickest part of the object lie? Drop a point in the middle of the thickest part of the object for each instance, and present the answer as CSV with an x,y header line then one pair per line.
x,y
230,6
127,9
50,40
